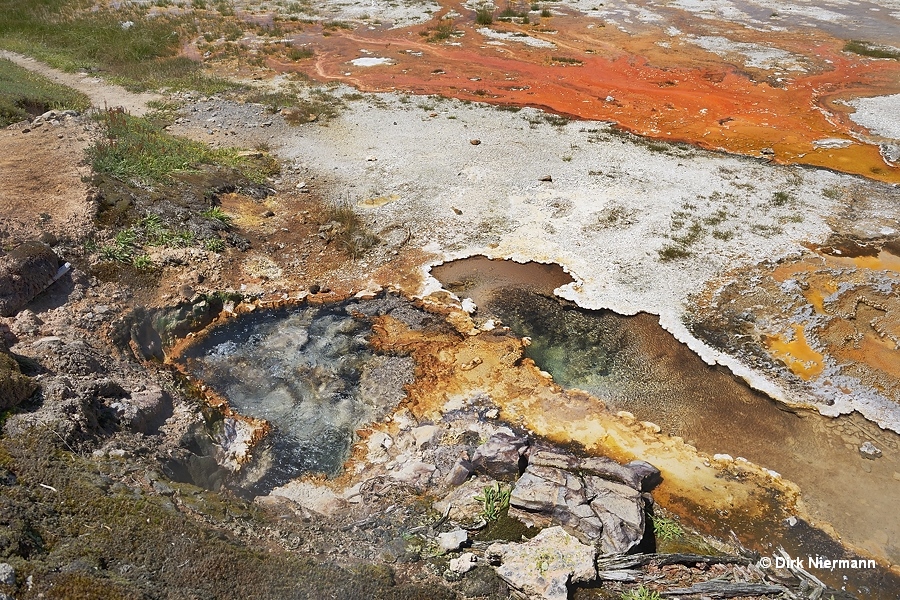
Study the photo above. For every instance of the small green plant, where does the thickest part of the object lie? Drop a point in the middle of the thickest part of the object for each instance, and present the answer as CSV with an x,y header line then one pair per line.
x,y
567,158
781,198
444,30
671,252
142,262
545,13
300,53
494,501
484,16
217,214
640,593
214,244
666,529
350,232
122,247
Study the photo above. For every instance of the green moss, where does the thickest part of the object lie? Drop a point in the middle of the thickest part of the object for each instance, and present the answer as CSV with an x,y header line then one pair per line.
x,y
99,534
15,387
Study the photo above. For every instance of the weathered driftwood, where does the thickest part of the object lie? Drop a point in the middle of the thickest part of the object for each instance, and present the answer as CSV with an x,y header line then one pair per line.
x,y
615,562
724,589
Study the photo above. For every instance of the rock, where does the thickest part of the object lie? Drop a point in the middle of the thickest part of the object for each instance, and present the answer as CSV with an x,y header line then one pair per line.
x,y
543,566
475,142
546,178
316,498
26,323
464,563
541,457
648,475
595,509
621,510
460,504
414,473
459,472
870,451
145,411
452,540
425,435
24,273
7,574
500,456
15,387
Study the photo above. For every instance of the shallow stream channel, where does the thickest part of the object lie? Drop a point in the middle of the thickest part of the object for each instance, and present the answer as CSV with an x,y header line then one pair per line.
x,y
634,365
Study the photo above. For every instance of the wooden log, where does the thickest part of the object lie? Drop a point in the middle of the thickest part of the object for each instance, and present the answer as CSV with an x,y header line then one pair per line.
x,y
724,589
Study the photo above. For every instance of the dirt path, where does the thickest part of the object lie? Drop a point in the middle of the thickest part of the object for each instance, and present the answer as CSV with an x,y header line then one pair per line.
x,y
100,92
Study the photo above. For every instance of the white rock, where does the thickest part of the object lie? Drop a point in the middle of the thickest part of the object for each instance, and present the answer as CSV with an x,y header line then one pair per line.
x,y
543,566
465,563
425,434
452,540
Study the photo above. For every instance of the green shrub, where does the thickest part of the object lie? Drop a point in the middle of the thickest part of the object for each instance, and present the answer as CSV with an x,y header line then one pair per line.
x,y
484,16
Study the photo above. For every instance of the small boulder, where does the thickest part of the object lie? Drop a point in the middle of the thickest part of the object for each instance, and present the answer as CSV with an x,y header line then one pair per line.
x,y
464,563
24,273
7,574
15,387
452,540
870,451
648,475
499,457
459,472
543,566
144,411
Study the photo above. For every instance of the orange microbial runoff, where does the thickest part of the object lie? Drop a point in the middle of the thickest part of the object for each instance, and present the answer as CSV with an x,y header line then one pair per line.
x,y
797,354
650,82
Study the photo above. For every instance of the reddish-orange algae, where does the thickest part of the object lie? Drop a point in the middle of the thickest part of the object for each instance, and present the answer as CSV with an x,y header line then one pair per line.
x,y
684,94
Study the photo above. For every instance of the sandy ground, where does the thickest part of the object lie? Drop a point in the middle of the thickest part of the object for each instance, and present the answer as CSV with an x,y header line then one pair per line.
x,y
40,182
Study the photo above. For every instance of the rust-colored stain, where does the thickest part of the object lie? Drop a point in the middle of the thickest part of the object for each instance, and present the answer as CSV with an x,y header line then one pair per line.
x,y
676,91
796,353
884,261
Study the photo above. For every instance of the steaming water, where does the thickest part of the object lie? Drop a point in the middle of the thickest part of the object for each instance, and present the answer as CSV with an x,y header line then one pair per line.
x,y
310,373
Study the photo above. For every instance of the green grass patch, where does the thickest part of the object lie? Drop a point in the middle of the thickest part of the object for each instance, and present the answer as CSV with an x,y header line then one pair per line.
x,y
443,31
135,149
566,60
69,35
23,93
670,252
869,49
